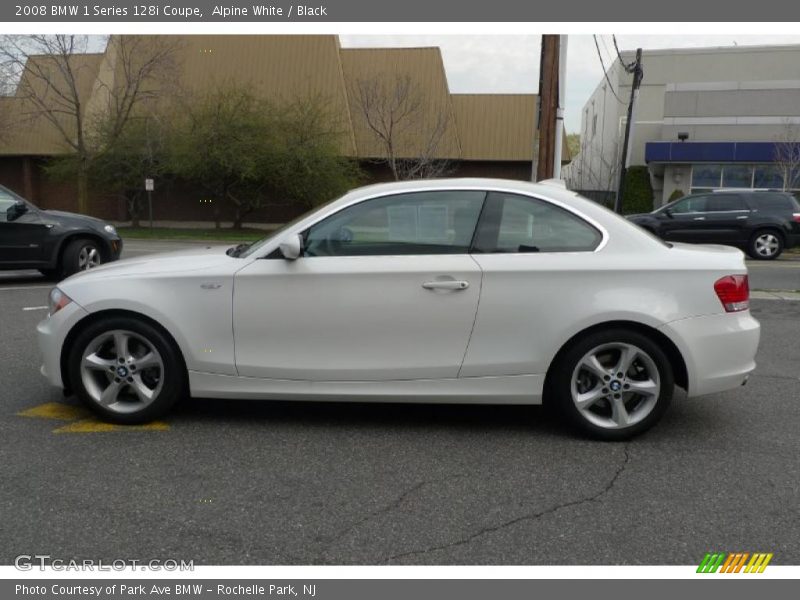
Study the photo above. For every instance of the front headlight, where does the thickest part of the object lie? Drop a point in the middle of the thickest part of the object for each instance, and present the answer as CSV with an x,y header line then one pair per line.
x,y
57,301
110,229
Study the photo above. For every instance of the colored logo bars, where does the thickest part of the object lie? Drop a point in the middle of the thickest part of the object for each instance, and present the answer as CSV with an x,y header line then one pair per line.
x,y
734,562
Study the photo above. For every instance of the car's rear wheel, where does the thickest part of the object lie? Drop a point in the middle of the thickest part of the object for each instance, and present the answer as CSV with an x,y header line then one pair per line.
x,y
765,244
126,370
613,384
80,255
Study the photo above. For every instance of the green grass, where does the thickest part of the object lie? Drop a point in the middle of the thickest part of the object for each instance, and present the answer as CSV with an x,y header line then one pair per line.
x,y
178,233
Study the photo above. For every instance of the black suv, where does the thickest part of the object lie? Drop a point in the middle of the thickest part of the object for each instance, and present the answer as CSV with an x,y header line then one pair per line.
x,y
762,223
56,243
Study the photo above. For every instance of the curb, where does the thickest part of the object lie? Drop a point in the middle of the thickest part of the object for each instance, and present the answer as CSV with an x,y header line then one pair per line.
x,y
774,295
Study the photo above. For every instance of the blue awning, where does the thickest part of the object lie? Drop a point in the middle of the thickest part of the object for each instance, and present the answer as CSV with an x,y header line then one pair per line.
x,y
691,152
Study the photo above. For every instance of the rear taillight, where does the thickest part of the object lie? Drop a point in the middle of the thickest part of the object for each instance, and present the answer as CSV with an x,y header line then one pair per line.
x,y
734,292
796,217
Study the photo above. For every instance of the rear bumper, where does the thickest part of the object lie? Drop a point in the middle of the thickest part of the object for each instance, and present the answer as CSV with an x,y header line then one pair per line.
x,y
792,240
719,350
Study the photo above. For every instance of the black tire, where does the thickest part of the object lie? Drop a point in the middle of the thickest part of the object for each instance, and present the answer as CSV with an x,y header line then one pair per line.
x,y
755,247
561,385
172,377
72,259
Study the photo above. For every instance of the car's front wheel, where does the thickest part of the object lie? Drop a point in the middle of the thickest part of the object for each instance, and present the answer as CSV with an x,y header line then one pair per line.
x,y
765,245
80,255
126,370
613,384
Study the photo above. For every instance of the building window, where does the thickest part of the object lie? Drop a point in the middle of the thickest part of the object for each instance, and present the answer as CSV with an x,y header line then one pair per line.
x,y
743,176
706,176
768,177
594,125
737,176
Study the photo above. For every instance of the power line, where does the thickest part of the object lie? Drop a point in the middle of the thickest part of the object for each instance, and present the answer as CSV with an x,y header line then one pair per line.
x,y
608,52
628,67
605,73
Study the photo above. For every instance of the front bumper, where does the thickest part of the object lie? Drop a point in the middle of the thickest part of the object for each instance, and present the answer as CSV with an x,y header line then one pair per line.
x,y
719,350
52,332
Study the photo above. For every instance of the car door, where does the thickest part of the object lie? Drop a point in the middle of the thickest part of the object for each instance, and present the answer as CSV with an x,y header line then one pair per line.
x,y
385,290
686,220
22,237
538,278
726,219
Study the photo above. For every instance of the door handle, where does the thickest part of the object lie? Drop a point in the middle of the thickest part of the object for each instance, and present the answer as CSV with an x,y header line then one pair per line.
x,y
447,284
742,217
699,218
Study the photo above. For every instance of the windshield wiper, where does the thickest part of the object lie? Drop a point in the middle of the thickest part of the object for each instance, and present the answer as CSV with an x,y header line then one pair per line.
x,y
236,250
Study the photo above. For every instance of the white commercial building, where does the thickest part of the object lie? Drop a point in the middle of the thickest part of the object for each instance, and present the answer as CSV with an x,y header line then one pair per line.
x,y
705,118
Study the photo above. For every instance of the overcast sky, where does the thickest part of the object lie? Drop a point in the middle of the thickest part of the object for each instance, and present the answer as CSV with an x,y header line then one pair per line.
x,y
509,63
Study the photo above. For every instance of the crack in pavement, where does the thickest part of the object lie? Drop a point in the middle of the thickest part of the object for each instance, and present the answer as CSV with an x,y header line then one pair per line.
x,y
395,504
529,517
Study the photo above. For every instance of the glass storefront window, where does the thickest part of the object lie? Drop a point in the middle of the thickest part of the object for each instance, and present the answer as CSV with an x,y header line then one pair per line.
x,y
768,177
706,176
737,176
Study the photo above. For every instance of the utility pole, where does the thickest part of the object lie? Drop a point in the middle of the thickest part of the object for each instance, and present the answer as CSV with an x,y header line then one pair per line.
x,y
638,73
562,95
548,106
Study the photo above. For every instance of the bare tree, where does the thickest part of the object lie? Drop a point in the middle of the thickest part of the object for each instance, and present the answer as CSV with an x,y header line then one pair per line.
x,y
9,117
787,154
59,83
409,132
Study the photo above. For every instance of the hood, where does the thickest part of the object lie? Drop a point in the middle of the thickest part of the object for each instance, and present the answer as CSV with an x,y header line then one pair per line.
x,y
68,217
638,216
201,258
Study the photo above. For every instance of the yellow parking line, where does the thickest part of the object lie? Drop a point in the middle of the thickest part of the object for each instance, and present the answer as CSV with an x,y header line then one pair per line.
x,y
55,410
94,426
82,420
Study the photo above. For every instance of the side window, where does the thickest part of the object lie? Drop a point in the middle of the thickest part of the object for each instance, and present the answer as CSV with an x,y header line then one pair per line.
x,y
515,224
692,204
725,203
439,222
773,202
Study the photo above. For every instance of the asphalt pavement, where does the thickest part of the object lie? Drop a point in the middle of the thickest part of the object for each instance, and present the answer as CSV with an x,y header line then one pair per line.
x,y
228,482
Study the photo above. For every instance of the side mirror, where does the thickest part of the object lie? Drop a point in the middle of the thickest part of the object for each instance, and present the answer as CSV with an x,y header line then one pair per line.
x,y
292,247
16,210
668,212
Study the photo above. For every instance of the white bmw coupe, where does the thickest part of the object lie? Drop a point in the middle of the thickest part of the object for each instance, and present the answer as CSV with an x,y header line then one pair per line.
x,y
460,291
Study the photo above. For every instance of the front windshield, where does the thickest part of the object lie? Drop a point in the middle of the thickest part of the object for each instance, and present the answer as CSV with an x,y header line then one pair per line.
x,y
255,246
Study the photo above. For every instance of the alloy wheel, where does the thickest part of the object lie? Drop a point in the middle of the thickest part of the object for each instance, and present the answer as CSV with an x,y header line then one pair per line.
x,y
122,371
615,385
88,258
766,245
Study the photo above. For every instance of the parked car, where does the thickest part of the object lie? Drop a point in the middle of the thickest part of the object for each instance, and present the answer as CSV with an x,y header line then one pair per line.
x,y
762,223
458,291
56,243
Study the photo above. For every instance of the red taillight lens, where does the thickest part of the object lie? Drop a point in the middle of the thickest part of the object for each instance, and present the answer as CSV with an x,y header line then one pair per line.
x,y
796,217
734,292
